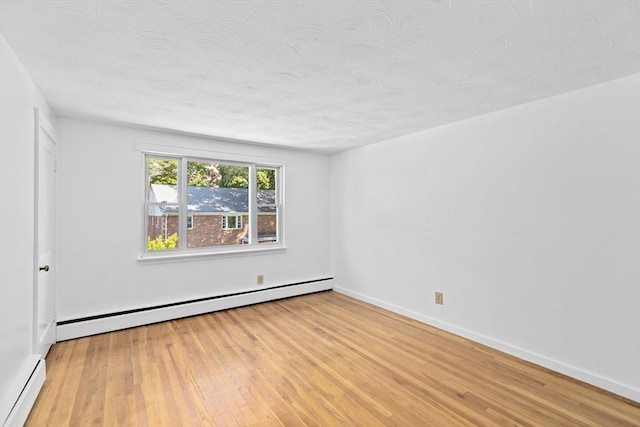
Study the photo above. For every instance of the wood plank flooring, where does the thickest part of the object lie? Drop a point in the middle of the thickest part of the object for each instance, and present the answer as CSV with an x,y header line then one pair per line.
x,y
318,360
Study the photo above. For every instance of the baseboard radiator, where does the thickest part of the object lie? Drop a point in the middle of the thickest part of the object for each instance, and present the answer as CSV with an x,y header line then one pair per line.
x,y
27,395
76,328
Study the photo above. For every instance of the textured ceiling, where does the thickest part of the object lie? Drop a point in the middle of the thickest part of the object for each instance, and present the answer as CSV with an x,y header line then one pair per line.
x,y
322,75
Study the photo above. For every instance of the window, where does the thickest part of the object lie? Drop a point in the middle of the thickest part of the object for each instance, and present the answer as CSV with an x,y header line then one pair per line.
x,y
267,205
231,222
238,205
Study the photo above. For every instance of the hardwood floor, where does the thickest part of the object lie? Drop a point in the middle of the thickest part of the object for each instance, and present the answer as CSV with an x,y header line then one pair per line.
x,y
318,360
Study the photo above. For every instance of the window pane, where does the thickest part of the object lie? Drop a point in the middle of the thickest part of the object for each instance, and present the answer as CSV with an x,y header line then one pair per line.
x,y
162,227
267,224
219,194
267,205
234,222
162,171
266,178
162,204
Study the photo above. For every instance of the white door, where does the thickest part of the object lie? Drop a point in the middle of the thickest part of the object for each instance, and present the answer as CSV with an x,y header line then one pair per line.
x,y
44,295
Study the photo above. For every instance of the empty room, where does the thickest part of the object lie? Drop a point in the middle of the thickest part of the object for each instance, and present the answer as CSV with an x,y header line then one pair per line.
x,y
320,213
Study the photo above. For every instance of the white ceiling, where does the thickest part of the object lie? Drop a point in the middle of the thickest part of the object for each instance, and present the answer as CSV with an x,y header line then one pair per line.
x,y
322,75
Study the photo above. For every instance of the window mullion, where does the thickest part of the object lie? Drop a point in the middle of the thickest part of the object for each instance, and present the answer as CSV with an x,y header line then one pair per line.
x,y
145,213
183,183
253,205
279,202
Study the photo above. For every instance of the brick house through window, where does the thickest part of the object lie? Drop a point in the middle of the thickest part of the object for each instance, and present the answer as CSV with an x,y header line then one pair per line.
x,y
219,216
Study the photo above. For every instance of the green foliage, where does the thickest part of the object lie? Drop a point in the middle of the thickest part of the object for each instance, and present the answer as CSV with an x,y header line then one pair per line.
x,y
233,176
266,179
239,181
163,171
201,174
159,244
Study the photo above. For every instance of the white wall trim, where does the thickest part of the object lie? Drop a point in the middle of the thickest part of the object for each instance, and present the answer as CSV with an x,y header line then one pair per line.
x,y
27,398
182,151
555,365
48,337
113,323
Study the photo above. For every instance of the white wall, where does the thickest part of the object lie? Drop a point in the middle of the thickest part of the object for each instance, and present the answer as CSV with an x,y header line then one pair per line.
x,y
18,97
527,219
99,225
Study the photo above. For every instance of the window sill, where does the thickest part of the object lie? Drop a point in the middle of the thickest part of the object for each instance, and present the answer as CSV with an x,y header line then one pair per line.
x,y
156,258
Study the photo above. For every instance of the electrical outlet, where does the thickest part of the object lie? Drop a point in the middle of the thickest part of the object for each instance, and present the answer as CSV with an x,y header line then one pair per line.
x,y
439,298
260,279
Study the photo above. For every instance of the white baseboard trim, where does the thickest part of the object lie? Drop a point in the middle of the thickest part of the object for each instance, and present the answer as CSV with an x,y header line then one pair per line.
x,y
46,339
21,409
83,328
563,368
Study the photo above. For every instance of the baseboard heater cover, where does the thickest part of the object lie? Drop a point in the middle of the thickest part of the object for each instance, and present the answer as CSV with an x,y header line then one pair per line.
x,y
27,398
77,328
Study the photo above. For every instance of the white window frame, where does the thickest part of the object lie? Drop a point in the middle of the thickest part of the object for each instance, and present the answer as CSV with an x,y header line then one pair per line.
x,y
225,222
182,251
